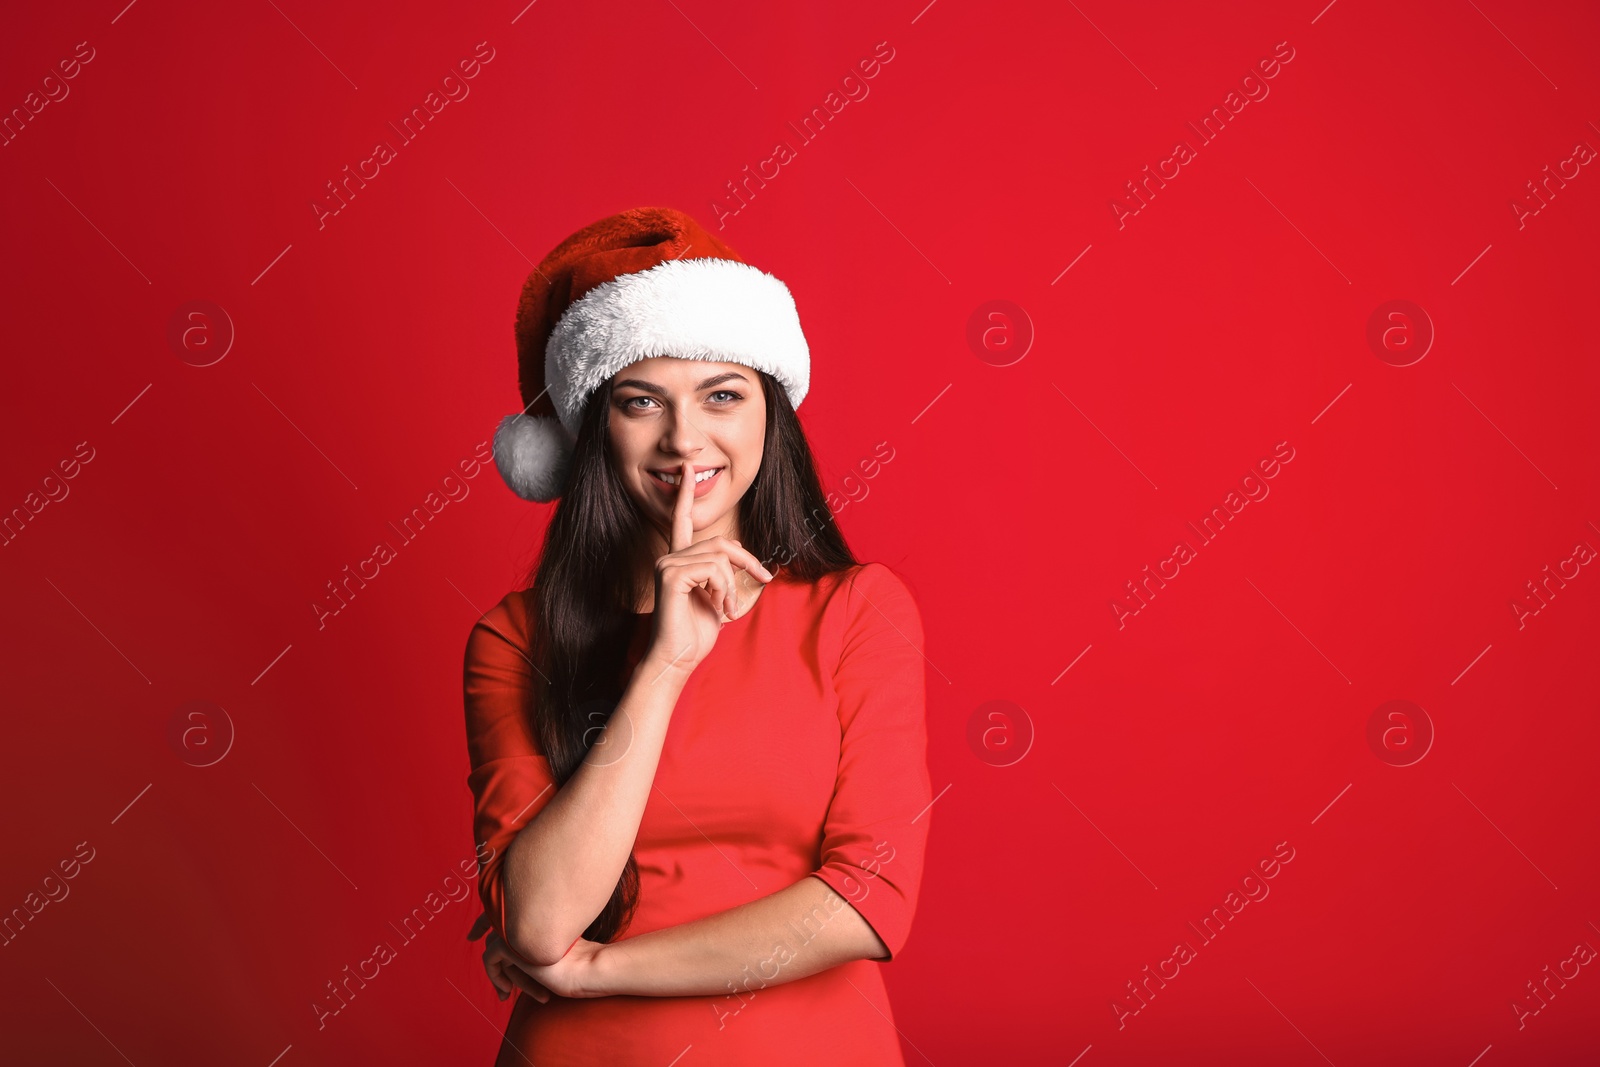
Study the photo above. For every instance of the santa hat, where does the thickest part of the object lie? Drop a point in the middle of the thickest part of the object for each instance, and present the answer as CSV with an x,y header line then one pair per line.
x,y
642,283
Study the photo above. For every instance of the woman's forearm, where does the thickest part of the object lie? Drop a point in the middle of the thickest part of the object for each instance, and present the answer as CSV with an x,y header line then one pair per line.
x,y
561,869
789,934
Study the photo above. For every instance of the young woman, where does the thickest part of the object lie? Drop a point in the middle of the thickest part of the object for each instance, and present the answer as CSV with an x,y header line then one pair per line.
x,y
697,742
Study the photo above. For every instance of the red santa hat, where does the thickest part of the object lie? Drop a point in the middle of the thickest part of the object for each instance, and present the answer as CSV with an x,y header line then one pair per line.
x,y
646,282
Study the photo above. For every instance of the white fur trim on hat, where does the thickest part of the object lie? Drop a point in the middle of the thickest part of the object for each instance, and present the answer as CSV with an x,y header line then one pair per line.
x,y
533,455
714,309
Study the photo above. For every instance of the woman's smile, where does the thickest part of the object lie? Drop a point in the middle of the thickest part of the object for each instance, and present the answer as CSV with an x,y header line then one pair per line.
x,y
705,479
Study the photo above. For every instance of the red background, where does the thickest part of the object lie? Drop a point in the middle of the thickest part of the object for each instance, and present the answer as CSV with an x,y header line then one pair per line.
x,y
1229,314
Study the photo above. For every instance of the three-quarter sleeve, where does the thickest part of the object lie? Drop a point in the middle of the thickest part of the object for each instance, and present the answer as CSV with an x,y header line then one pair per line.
x,y
876,831
510,778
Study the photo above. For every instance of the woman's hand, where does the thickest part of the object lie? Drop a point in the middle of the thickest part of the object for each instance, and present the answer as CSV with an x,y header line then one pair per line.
x,y
697,587
575,975
505,968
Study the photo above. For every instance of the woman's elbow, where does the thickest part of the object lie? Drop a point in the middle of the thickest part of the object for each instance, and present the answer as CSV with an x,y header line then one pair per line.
x,y
535,948
536,939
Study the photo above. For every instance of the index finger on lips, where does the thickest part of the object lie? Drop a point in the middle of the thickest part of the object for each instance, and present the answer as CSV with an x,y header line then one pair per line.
x,y
682,523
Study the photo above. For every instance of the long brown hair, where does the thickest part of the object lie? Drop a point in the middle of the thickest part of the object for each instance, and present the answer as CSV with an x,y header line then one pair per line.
x,y
585,585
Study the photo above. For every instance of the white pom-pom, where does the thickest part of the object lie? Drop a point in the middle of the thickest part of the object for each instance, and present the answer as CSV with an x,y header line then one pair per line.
x,y
533,454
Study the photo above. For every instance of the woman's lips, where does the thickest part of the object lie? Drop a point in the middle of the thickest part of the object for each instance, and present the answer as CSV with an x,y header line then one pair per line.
x,y
700,488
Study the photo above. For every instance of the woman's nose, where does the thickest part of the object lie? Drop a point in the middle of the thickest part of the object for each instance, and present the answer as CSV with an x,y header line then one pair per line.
x,y
681,436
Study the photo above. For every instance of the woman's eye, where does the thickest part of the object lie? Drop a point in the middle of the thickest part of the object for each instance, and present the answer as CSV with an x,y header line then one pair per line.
x,y
632,403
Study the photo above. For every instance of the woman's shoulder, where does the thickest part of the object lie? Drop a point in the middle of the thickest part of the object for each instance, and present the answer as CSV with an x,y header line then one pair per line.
x,y
864,608
867,586
871,575
504,629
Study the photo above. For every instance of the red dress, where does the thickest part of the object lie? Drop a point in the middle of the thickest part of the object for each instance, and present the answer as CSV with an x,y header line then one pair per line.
x,y
798,747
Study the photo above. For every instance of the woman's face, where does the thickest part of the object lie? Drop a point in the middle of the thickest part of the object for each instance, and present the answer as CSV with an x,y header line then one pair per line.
x,y
665,410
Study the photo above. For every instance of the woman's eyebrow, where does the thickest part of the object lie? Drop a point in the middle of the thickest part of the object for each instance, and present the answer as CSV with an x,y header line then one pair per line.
x,y
651,387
